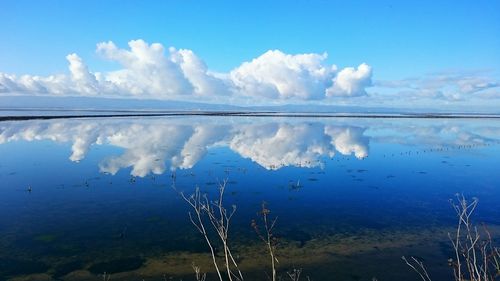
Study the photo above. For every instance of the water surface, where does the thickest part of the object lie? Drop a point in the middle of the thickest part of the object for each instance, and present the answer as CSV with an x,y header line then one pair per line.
x,y
82,196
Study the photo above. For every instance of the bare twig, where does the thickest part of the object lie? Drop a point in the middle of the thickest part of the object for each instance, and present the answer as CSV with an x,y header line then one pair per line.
x,y
198,275
294,274
268,237
196,203
475,257
106,277
214,213
418,267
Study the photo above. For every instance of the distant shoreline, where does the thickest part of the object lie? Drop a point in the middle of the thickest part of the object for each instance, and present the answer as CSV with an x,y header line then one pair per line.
x,y
249,114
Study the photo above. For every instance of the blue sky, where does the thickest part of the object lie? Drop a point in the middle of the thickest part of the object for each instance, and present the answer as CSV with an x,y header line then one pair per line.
x,y
399,40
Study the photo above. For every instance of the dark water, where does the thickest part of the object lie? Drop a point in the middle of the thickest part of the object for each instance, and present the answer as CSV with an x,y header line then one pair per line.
x,y
85,196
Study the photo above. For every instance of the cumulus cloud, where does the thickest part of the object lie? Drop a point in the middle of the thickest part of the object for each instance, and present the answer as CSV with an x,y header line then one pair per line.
x,y
151,71
351,81
196,71
84,81
146,70
278,75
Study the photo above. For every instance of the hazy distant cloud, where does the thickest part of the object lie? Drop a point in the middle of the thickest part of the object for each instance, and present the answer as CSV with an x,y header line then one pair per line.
x,y
453,86
151,71
54,84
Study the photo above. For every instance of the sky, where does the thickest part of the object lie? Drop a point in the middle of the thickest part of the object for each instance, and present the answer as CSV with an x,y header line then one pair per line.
x,y
377,53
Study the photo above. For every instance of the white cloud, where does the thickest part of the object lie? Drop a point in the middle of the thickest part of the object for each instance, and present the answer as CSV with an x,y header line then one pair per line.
x,y
28,84
196,71
146,70
84,81
278,75
351,82
151,71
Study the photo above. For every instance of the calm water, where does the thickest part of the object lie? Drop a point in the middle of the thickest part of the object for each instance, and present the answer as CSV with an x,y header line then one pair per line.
x,y
351,195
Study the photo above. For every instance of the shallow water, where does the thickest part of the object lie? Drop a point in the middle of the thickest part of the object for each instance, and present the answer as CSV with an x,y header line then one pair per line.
x,y
81,197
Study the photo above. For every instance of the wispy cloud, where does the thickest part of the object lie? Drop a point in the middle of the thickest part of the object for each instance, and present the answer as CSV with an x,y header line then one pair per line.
x,y
450,86
151,71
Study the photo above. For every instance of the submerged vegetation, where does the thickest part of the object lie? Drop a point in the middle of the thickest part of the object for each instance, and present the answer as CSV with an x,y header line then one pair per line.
x,y
475,257
212,214
472,251
339,218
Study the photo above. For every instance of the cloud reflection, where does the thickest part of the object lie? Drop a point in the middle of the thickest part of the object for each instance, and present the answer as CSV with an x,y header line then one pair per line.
x,y
157,145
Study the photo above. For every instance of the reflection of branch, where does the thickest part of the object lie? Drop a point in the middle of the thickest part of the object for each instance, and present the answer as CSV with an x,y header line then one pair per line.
x,y
219,217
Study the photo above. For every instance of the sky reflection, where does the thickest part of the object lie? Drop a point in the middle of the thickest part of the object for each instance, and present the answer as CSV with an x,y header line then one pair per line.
x,y
70,187
153,146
